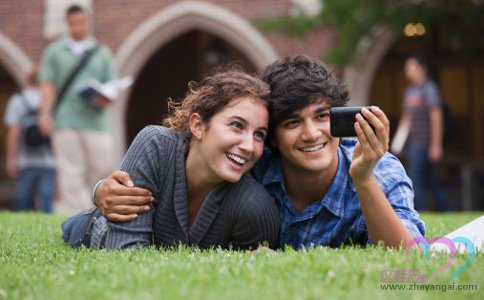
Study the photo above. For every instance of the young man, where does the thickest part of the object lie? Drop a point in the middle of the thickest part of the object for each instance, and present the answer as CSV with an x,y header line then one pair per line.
x,y
81,141
329,191
423,116
31,166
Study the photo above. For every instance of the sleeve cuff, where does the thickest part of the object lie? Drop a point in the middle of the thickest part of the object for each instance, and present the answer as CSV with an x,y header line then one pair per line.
x,y
94,190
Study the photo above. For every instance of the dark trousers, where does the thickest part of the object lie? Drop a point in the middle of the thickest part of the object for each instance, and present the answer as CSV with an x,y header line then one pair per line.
x,y
420,170
76,231
33,182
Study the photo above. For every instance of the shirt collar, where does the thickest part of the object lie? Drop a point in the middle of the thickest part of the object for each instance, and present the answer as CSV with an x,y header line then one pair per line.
x,y
274,173
334,200
90,42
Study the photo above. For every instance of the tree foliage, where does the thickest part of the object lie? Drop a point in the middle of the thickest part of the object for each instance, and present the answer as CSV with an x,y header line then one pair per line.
x,y
458,23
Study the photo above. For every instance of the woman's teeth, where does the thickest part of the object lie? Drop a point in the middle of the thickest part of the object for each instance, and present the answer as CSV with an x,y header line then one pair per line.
x,y
236,159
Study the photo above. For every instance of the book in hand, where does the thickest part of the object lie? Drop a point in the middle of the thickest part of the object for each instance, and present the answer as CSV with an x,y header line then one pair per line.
x,y
400,139
473,232
109,90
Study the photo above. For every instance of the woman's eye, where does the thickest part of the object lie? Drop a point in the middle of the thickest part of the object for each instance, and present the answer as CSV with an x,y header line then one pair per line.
x,y
237,125
259,135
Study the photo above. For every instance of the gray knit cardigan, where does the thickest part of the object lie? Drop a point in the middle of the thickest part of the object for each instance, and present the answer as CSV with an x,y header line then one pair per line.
x,y
238,215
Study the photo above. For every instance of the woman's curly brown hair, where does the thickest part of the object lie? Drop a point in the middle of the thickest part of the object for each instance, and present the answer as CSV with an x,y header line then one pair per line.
x,y
211,95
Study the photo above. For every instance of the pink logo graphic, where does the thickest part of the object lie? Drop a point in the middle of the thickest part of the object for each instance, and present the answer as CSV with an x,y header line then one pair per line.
x,y
451,245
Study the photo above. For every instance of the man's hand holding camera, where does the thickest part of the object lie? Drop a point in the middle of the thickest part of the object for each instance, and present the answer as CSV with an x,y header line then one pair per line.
x,y
373,130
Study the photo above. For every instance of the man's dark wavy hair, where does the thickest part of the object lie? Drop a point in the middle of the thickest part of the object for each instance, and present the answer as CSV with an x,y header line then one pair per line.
x,y
299,81
74,9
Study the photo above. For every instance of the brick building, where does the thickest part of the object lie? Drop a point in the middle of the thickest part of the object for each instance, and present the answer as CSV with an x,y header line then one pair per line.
x,y
166,43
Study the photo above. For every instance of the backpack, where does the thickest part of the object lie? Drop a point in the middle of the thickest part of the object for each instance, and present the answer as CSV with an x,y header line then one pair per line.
x,y
30,131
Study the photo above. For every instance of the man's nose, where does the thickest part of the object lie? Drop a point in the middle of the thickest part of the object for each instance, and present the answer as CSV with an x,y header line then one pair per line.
x,y
310,132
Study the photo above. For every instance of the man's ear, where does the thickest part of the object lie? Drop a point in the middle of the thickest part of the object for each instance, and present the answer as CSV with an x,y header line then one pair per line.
x,y
197,127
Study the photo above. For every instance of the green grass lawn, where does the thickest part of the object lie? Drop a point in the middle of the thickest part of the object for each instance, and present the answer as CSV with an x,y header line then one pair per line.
x,y
36,264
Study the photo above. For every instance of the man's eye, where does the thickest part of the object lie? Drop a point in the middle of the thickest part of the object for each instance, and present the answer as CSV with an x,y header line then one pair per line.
x,y
291,123
237,125
323,116
259,135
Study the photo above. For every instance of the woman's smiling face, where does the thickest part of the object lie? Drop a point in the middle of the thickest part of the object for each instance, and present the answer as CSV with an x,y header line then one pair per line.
x,y
233,140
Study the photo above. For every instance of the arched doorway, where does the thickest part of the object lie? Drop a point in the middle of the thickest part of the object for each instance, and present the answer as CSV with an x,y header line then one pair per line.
x,y
183,18
14,63
168,71
8,86
460,78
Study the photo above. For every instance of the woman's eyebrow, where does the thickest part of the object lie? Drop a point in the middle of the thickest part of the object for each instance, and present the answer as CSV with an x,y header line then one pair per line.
x,y
245,122
239,118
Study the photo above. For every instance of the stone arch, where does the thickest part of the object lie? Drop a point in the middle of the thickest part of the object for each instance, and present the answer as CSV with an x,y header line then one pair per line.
x,y
15,63
184,16
14,59
359,77
172,22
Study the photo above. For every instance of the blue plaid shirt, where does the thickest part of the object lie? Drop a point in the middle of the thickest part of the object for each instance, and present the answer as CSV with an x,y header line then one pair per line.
x,y
337,218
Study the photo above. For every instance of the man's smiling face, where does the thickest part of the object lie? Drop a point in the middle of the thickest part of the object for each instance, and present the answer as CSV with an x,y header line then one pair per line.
x,y
304,140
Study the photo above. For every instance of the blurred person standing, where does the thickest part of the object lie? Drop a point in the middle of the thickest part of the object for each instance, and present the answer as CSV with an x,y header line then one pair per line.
x,y
423,118
81,140
30,163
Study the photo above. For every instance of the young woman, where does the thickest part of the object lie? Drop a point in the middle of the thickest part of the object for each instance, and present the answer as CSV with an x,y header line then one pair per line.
x,y
196,168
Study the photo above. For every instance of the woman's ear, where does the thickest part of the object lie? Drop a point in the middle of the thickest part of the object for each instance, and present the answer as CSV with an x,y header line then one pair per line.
x,y
197,127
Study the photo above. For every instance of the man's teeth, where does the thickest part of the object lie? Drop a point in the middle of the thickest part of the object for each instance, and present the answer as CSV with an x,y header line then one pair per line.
x,y
237,159
314,148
